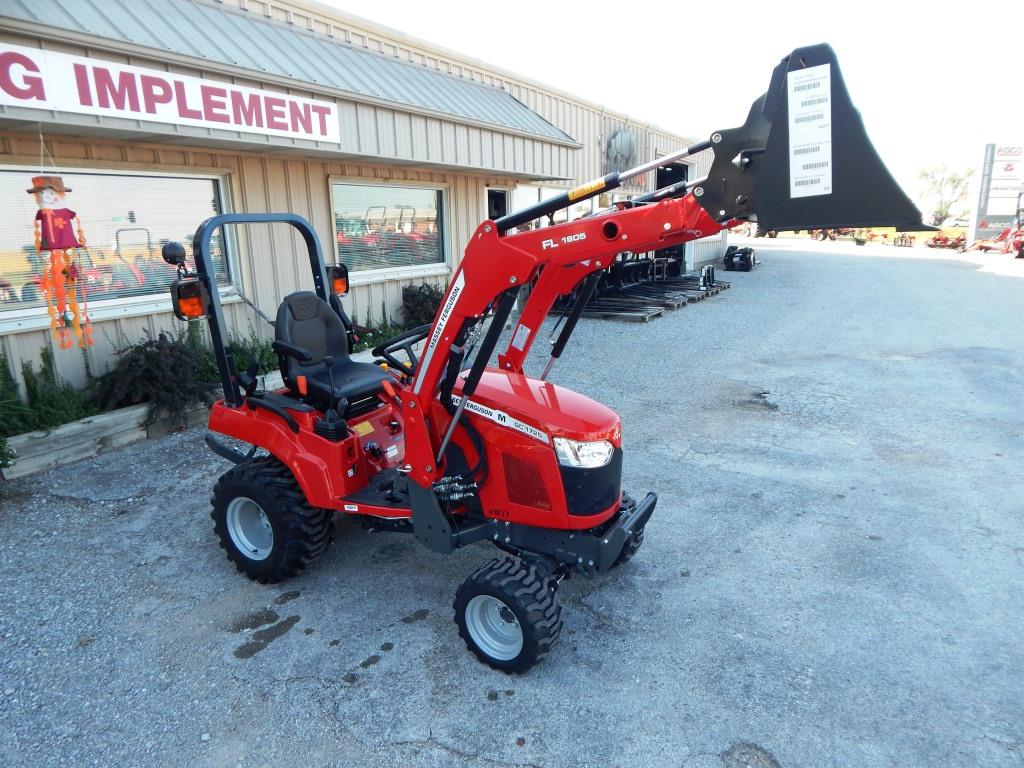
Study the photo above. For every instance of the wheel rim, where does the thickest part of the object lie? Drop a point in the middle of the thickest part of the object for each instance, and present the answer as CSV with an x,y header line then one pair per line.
x,y
249,528
494,628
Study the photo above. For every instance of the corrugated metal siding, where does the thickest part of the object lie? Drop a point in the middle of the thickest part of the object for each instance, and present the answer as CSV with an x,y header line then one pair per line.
x,y
370,130
271,260
219,33
268,182
587,123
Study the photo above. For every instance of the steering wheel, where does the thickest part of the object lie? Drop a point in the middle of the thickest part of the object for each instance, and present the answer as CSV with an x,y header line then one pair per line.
x,y
405,342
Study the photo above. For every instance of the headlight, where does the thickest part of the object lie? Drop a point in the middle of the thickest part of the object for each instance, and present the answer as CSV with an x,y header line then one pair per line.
x,y
572,453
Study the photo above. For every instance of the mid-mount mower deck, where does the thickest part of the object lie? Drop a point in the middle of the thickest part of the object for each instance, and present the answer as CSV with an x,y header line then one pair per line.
x,y
456,451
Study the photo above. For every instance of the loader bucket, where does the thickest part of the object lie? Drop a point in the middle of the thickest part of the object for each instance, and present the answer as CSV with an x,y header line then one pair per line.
x,y
803,160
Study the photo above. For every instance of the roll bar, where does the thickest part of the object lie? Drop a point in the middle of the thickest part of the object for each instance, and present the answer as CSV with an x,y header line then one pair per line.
x,y
204,270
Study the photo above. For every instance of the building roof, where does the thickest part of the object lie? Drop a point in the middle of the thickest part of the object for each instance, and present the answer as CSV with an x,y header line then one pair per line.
x,y
236,38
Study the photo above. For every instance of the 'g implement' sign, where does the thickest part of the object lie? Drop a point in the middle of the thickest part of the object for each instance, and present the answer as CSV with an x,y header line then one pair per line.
x,y
39,79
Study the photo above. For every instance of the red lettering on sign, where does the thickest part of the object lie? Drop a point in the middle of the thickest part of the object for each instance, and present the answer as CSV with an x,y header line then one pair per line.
x,y
322,113
122,94
275,113
29,87
300,117
182,99
82,83
155,90
214,102
246,109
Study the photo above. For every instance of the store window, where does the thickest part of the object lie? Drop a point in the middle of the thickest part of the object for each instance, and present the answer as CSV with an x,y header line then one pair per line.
x,y
380,227
125,218
526,195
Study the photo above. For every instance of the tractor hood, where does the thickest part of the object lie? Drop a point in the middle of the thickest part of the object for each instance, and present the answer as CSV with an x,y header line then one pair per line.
x,y
802,159
531,405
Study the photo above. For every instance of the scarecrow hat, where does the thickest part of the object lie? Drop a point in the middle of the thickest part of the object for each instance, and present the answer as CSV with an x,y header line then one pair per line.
x,y
39,183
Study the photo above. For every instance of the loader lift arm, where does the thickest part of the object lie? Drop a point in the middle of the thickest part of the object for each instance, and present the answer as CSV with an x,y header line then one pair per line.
x,y
755,175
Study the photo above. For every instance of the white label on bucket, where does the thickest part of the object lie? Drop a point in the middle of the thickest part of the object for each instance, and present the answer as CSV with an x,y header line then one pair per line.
x,y
810,131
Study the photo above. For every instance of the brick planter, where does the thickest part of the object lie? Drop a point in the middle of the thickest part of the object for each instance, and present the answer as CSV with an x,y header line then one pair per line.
x,y
85,438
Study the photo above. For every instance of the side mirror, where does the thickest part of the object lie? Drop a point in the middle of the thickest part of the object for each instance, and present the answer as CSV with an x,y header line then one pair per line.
x,y
337,276
173,253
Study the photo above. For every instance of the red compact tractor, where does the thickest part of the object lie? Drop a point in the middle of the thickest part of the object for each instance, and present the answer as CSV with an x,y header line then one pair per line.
x,y
438,443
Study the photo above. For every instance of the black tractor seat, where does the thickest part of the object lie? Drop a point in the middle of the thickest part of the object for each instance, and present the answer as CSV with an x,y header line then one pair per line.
x,y
308,330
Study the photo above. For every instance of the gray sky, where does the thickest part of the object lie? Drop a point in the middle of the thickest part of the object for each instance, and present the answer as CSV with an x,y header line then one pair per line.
x,y
934,81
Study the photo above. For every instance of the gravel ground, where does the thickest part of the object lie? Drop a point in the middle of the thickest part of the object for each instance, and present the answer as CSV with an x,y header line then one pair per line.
x,y
832,577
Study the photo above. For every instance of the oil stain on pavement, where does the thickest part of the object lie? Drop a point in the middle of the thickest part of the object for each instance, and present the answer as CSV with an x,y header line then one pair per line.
x,y
374,659
419,615
264,637
286,597
743,754
254,619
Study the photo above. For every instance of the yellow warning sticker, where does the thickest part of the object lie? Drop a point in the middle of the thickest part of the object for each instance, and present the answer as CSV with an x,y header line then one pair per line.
x,y
586,189
363,428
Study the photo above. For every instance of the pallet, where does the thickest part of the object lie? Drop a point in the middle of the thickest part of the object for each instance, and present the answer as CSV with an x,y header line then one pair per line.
x,y
641,302
621,308
599,313
646,292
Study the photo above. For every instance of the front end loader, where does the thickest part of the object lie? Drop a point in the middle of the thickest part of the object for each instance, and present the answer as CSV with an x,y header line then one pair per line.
x,y
441,441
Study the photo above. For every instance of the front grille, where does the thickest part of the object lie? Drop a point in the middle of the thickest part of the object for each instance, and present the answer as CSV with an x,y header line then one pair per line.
x,y
524,483
591,491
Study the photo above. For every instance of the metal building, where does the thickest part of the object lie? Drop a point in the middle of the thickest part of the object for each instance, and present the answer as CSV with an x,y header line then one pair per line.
x,y
394,149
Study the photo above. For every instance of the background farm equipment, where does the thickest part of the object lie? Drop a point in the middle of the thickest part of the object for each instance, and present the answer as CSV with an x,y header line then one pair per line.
x,y
1010,240
739,259
942,240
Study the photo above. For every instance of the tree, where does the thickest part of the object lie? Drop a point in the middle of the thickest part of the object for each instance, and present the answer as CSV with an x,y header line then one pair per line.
x,y
944,188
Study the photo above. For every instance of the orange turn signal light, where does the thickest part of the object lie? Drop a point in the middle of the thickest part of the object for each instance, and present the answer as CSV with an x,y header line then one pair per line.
x,y
191,308
338,276
189,298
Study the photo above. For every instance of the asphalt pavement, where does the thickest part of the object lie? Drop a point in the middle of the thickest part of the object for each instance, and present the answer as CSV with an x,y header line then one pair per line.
x,y
832,577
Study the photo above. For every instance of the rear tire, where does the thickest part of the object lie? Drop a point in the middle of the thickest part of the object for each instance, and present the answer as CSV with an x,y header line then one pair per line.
x,y
508,615
265,526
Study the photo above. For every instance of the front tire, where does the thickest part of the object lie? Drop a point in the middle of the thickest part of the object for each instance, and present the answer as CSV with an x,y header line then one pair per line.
x,y
265,526
508,615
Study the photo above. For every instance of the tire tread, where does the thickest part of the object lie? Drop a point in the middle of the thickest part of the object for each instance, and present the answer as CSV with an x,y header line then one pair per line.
x,y
307,530
521,585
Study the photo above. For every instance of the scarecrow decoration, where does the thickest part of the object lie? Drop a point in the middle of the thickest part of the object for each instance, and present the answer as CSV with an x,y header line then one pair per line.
x,y
59,231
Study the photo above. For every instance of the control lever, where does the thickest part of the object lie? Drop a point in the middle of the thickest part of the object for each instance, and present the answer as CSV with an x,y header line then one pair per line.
x,y
389,390
248,379
332,426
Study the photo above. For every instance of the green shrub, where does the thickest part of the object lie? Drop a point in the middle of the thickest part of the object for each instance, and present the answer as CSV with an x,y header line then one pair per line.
x,y
371,337
51,400
251,347
420,303
170,372
15,416
7,455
